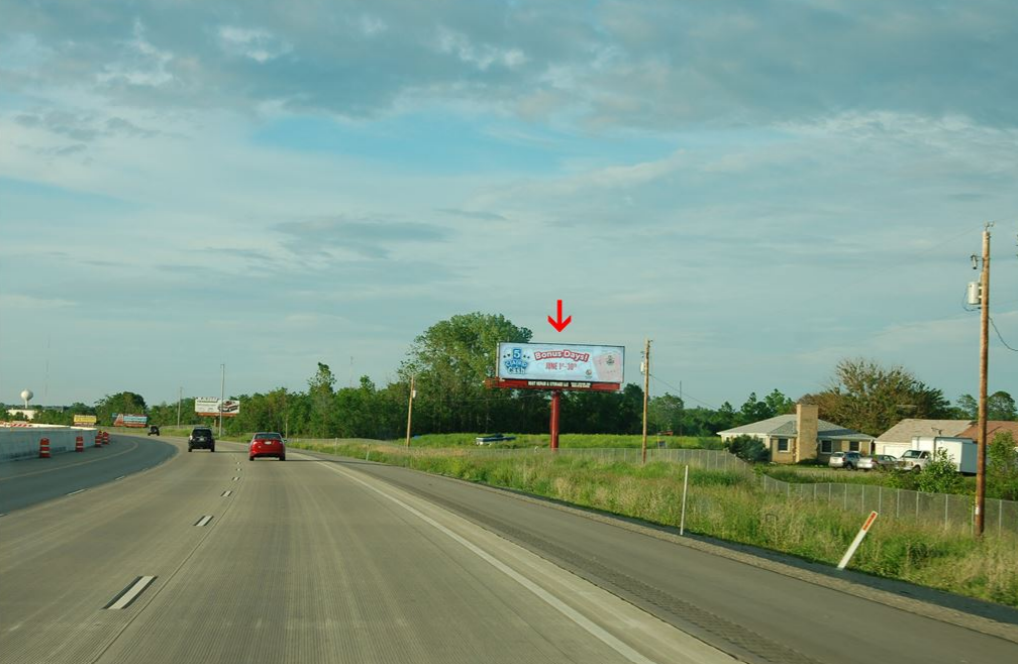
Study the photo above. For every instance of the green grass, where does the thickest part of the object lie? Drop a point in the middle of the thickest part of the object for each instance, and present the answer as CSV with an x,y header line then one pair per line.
x,y
730,506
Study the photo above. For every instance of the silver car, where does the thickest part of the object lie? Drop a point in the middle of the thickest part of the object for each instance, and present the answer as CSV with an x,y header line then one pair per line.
x,y
877,462
846,460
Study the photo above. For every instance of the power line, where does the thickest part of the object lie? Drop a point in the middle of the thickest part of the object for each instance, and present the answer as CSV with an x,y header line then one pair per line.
x,y
999,336
685,394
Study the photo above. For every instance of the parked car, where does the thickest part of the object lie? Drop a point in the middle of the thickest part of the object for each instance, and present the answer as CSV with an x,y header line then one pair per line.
x,y
877,462
267,444
201,438
153,430
493,438
846,460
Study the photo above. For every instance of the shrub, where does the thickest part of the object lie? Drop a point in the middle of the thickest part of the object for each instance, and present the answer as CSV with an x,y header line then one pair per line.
x,y
939,475
748,449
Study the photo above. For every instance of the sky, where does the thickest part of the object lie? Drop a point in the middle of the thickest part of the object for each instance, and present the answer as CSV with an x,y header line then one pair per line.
x,y
760,187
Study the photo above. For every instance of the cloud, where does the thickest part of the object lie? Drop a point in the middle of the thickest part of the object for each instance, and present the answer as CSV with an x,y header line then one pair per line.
x,y
635,64
368,238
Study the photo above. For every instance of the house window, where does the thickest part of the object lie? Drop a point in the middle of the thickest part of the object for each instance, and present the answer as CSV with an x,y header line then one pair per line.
x,y
826,446
853,446
782,444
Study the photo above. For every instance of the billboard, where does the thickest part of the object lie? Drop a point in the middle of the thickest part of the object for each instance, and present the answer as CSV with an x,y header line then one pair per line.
x,y
210,407
561,365
133,421
85,420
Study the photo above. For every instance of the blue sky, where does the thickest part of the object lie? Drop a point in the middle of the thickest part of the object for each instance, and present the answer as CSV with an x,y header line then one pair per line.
x,y
762,188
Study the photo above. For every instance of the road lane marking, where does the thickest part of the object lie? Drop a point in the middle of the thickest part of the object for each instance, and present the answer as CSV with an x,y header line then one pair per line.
x,y
226,493
117,479
74,492
572,614
204,521
235,479
130,593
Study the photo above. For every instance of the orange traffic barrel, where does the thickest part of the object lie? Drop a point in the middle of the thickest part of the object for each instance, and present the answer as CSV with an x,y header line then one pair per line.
x,y
44,448
106,437
98,438
79,444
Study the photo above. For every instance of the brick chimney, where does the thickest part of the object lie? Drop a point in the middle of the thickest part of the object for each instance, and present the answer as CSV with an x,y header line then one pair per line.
x,y
806,425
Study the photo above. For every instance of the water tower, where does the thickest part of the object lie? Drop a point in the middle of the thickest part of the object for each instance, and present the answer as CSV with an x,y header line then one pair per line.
x,y
26,396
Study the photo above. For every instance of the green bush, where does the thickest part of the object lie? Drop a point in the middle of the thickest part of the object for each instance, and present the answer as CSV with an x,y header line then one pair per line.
x,y
748,449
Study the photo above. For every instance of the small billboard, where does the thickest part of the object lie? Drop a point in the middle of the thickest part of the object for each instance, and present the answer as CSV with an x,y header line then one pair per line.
x,y
132,421
561,365
212,407
85,420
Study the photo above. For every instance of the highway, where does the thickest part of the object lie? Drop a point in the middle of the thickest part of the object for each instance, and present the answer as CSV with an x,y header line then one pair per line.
x,y
213,558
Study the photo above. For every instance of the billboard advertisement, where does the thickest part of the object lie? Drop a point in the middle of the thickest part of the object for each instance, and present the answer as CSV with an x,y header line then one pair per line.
x,y
133,421
571,365
211,407
85,420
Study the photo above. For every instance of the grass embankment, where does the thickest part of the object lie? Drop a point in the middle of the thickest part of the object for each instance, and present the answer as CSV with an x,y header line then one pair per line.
x,y
730,506
566,440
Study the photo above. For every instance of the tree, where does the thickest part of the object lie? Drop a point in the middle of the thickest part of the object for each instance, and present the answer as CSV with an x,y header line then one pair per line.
x,y
754,410
450,361
967,408
1002,466
870,398
320,392
1000,406
664,413
125,403
779,404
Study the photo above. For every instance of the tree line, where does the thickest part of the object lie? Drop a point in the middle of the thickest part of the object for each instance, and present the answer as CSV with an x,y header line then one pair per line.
x,y
451,360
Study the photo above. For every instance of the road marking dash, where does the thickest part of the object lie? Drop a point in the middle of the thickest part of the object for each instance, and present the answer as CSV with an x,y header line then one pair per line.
x,y
74,492
130,593
235,479
120,478
226,493
204,520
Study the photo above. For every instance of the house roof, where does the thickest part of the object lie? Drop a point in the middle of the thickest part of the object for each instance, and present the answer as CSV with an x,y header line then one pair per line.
x,y
904,431
993,427
785,425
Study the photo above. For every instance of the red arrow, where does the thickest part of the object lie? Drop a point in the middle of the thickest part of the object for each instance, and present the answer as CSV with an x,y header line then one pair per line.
x,y
560,324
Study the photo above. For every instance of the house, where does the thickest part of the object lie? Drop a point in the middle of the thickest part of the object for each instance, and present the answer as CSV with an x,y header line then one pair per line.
x,y
898,438
802,436
993,427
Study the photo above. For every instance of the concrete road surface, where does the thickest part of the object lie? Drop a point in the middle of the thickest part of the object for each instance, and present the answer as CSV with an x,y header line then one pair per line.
x,y
213,558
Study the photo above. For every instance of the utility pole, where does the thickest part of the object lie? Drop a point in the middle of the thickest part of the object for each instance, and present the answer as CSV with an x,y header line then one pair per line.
x,y
222,396
984,356
410,410
180,397
646,392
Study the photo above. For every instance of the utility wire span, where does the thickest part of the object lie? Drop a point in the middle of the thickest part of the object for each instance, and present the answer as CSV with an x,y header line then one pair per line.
x,y
684,393
999,336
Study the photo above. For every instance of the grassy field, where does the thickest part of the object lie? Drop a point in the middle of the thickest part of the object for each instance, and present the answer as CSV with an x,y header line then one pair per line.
x,y
730,506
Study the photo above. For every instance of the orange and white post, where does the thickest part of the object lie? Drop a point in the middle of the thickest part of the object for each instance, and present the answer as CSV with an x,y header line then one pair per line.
x,y
858,540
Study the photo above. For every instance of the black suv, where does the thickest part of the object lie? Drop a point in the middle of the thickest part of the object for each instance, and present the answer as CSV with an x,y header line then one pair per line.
x,y
201,438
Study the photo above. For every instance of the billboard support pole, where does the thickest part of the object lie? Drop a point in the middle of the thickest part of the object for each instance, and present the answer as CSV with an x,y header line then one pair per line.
x,y
222,395
646,391
555,397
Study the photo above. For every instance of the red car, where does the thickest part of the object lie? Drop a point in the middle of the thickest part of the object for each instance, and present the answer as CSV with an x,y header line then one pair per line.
x,y
266,444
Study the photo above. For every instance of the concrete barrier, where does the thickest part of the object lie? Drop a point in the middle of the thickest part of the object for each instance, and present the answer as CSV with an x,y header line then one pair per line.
x,y
23,442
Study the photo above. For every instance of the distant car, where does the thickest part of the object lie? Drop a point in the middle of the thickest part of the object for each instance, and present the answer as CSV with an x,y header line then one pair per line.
x,y
153,430
201,438
267,444
877,462
846,460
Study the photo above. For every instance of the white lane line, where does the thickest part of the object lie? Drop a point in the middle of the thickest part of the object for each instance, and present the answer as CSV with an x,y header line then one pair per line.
x,y
235,479
74,492
579,619
130,593
204,520
226,493
120,478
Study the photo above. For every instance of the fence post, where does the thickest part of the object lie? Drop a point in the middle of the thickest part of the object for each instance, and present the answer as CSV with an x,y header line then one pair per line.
x,y
947,504
880,498
685,487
